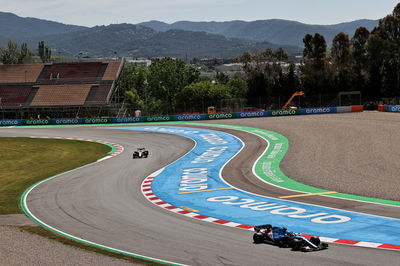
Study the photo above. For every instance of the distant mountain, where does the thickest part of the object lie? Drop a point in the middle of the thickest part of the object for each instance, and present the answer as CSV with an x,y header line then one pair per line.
x,y
154,38
277,31
16,28
140,41
350,27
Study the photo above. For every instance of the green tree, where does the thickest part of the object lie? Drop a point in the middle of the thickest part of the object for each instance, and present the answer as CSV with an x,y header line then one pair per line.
x,y
319,50
44,52
315,72
221,77
383,48
198,95
342,62
10,54
133,83
359,48
167,77
360,59
389,31
263,73
375,67
25,55
280,55
291,83
308,46
238,87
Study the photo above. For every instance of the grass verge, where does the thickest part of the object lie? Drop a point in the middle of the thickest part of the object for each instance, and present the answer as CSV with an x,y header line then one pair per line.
x,y
26,161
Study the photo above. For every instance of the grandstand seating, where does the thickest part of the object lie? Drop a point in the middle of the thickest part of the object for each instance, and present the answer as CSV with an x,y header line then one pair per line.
x,y
20,73
73,71
58,84
113,70
13,96
61,95
100,94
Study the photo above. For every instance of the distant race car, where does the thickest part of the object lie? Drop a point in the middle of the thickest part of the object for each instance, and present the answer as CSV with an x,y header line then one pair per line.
x,y
279,236
140,153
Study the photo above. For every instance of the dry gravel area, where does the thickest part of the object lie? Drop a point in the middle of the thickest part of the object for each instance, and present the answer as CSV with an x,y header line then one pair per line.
x,y
21,248
18,247
355,153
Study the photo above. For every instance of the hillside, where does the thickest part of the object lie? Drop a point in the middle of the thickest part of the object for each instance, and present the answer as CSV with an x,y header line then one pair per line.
x,y
184,39
139,41
275,31
17,28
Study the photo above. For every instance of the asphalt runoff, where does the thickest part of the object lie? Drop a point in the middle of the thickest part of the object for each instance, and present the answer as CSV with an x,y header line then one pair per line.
x,y
103,203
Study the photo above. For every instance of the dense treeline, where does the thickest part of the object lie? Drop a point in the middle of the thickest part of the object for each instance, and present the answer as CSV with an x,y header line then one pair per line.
x,y
171,86
368,62
12,54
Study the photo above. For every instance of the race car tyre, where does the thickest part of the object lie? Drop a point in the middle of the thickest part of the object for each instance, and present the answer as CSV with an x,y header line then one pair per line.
x,y
258,238
295,245
315,240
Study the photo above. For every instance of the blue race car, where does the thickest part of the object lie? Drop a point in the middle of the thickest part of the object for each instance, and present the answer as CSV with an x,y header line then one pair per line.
x,y
279,236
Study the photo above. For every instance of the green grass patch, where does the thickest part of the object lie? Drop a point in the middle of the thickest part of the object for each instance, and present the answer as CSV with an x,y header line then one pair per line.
x,y
48,234
26,161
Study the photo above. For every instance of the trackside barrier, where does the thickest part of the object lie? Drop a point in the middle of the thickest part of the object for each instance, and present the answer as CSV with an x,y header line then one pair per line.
x,y
344,109
187,117
67,121
127,119
391,108
10,123
33,122
220,116
252,114
322,110
284,112
357,108
158,118
97,120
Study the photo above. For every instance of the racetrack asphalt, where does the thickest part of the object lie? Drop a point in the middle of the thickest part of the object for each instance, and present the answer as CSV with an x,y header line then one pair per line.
x,y
103,202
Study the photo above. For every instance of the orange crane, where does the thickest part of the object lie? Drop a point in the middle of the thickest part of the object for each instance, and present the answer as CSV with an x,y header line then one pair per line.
x,y
297,93
211,110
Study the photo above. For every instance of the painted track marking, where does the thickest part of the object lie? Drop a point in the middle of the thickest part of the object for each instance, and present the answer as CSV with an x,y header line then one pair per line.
x,y
206,190
150,195
308,194
189,209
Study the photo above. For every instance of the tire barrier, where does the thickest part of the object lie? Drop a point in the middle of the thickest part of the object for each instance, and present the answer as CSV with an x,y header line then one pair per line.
x,y
185,117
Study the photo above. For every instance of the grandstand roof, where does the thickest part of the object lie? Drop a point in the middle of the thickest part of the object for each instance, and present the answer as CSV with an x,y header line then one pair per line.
x,y
20,73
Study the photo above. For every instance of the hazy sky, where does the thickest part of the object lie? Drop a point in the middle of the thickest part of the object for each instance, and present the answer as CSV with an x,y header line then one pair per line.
x,y
104,12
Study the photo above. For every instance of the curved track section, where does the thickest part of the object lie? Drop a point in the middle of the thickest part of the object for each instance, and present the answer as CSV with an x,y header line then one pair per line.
x,y
103,203
194,181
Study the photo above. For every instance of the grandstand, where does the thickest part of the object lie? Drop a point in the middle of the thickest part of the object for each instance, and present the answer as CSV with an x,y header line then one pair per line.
x,y
58,90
